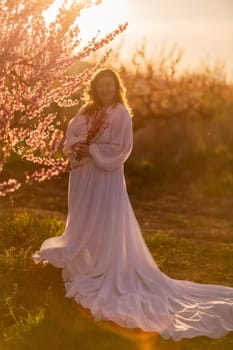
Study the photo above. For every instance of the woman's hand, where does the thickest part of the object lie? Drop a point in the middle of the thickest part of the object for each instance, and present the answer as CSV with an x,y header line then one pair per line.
x,y
82,149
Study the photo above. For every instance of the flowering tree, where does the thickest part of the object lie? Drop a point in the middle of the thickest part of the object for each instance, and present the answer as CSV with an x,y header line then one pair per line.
x,y
35,59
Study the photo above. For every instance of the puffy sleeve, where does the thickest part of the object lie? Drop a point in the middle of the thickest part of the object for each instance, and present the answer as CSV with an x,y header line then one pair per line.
x,y
75,131
110,156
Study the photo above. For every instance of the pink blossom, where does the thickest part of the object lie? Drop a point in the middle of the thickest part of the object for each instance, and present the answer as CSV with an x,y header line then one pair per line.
x,y
33,74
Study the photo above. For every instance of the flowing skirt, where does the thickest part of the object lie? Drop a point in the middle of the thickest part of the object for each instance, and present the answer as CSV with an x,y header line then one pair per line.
x,y
108,268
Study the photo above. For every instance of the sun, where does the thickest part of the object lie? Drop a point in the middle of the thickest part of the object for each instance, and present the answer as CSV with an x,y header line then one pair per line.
x,y
104,17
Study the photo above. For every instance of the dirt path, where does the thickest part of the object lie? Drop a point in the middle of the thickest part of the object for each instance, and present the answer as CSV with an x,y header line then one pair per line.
x,y
181,209
184,211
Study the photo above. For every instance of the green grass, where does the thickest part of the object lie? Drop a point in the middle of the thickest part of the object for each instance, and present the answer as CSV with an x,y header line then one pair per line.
x,y
36,315
215,183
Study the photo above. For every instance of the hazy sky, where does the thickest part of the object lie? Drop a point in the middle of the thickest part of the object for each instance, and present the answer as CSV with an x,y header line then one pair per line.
x,y
181,10
203,29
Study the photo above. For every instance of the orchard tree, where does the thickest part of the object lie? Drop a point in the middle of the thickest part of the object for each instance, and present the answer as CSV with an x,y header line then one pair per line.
x,y
34,61
158,91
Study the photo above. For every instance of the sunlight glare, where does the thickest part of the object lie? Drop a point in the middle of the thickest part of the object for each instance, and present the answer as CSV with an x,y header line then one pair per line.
x,y
104,17
52,11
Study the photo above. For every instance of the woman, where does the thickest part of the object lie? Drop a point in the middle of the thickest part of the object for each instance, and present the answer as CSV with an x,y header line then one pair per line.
x,y
106,265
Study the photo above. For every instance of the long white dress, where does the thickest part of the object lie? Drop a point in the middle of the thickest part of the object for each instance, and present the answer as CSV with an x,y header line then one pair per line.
x,y
106,264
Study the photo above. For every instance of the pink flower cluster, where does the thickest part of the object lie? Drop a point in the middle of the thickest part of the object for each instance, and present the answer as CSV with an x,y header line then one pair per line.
x,y
33,74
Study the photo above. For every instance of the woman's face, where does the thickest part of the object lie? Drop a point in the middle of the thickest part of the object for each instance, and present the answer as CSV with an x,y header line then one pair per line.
x,y
106,89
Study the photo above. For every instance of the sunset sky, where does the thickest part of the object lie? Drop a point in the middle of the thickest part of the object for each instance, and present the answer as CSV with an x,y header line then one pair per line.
x,y
203,29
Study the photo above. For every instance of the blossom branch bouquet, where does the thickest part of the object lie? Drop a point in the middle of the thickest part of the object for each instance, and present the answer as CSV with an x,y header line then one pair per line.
x,y
97,122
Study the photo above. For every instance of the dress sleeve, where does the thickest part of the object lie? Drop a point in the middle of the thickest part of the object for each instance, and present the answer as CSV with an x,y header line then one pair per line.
x,y
71,135
69,138
110,156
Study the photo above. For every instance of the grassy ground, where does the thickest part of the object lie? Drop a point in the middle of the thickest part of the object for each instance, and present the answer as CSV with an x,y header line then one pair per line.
x,y
184,226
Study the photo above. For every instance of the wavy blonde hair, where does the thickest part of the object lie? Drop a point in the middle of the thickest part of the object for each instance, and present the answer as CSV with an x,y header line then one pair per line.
x,y
92,101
